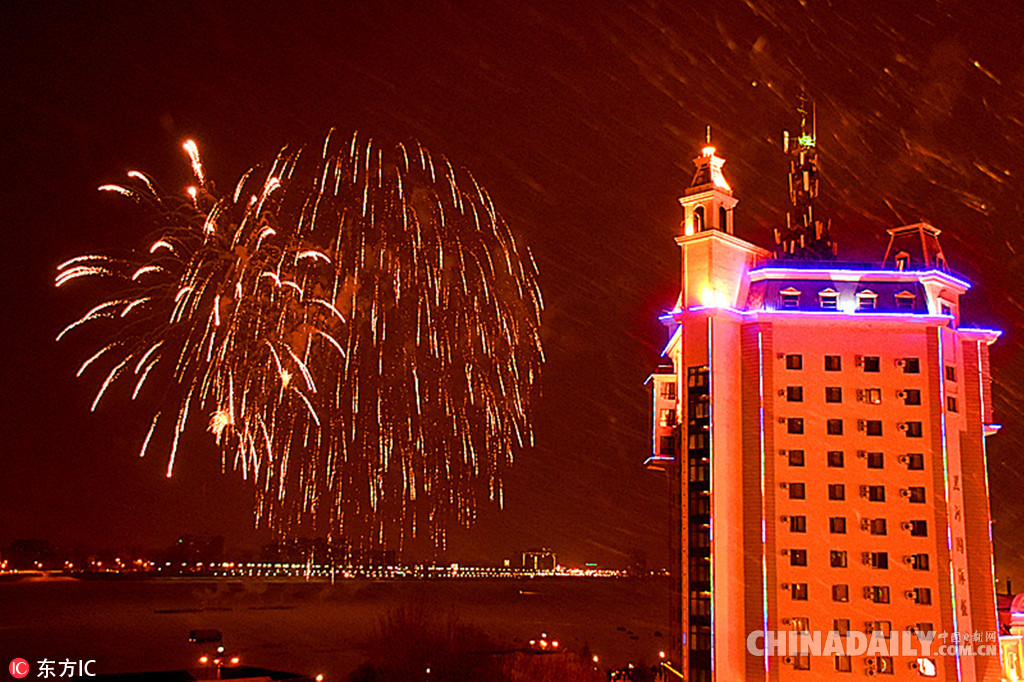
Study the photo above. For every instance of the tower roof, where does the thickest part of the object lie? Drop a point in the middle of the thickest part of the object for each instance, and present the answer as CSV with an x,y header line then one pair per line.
x,y
709,173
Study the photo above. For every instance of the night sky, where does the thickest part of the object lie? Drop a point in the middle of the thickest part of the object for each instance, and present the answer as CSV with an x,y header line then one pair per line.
x,y
581,120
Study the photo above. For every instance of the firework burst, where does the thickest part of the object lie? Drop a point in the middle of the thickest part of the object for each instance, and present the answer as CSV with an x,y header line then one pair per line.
x,y
357,330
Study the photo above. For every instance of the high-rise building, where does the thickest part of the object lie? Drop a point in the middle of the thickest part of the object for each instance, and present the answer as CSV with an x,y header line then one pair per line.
x,y
823,426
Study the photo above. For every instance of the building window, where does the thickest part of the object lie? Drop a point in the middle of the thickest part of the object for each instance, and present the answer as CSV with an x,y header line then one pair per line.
x,y
913,429
844,664
874,493
667,417
833,363
873,427
918,562
866,300
790,298
834,427
911,396
836,491
837,525
829,299
796,458
798,591
837,558
797,524
835,458
667,446
881,665
918,528
951,403
915,461
878,593
911,365
796,491
877,559
840,593
833,394
795,394
946,308
871,363
880,628
723,219
795,425
794,362
872,396
667,390
802,661
698,219
915,494
876,460
876,526
798,557
950,373
922,595
841,626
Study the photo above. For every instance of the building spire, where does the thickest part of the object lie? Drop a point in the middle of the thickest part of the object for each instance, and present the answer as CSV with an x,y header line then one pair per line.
x,y
805,236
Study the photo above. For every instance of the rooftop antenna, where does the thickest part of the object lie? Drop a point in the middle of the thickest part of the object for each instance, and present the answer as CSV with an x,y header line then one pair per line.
x,y
709,133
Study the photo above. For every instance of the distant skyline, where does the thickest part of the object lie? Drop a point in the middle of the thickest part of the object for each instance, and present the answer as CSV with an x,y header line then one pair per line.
x,y
582,126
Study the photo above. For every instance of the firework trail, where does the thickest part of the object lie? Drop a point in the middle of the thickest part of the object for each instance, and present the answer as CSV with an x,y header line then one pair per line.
x,y
357,330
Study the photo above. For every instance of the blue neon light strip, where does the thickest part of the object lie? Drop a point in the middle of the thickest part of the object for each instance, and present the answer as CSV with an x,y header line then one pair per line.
x,y
764,502
711,489
771,272
945,479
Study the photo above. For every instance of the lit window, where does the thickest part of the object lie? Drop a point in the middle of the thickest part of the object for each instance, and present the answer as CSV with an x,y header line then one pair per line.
x,y
829,299
902,261
798,591
667,417
872,396
790,298
840,593
837,558
878,593
698,219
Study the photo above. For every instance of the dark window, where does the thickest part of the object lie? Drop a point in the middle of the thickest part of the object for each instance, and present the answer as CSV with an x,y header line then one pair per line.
x,y
835,458
873,427
802,661
871,363
795,394
837,558
918,528
798,591
833,394
794,362
796,458
667,390
876,526
833,363
915,460
882,664
946,309
913,429
798,557
834,427
911,366
836,491
840,593
796,491
790,299
950,373
916,494
878,559
667,446
795,425
876,493
875,460
844,664
837,525
698,219
866,302
923,595
723,219
881,628
797,524
951,403
829,301
918,562
841,626
905,302
911,396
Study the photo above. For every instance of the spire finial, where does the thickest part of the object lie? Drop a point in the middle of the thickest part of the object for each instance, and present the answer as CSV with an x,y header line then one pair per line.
x,y
709,134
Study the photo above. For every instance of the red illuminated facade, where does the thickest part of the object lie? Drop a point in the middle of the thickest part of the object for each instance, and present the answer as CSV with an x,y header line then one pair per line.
x,y
823,428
